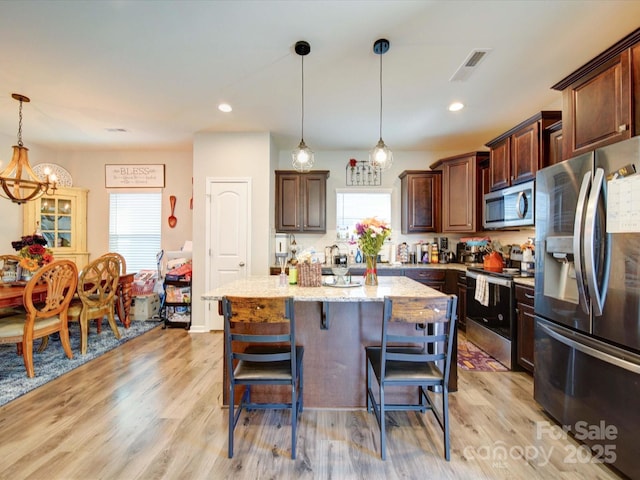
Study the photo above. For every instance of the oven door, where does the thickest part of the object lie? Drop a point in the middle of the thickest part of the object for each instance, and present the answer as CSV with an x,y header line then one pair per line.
x,y
497,315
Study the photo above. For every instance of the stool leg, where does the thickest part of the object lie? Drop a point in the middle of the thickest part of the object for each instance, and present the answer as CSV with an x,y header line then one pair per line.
x,y
231,418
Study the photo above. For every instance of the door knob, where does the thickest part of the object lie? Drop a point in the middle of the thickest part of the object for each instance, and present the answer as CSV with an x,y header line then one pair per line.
x,y
241,264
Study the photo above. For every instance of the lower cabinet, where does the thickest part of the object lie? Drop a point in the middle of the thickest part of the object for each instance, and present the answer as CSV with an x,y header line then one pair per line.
x,y
431,277
526,322
461,291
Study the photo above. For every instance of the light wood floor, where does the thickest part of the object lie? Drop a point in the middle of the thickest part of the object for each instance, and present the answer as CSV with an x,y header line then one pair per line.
x,y
151,409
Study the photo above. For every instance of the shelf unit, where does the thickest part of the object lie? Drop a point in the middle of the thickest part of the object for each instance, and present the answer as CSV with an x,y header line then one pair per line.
x,y
175,310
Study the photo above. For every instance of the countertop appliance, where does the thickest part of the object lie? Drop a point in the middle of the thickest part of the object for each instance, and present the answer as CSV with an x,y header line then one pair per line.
x,y
587,299
509,207
492,324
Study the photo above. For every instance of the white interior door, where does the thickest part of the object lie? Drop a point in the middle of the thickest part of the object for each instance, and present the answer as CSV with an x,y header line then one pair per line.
x,y
228,236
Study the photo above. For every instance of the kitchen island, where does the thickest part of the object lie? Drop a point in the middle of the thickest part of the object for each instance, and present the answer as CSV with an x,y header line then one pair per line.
x,y
334,324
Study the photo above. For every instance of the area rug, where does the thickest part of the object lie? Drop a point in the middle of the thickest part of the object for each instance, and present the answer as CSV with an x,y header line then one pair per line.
x,y
472,358
52,363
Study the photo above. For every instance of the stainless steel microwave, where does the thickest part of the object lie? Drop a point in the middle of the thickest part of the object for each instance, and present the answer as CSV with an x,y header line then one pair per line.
x,y
509,207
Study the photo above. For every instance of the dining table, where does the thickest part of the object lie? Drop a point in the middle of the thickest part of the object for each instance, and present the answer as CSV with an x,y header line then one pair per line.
x,y
11,295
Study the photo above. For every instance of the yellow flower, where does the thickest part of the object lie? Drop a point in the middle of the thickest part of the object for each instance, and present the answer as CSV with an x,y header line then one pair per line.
x,y
29,264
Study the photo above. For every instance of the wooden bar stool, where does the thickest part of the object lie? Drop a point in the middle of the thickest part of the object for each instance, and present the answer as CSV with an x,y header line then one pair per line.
x,y
264,354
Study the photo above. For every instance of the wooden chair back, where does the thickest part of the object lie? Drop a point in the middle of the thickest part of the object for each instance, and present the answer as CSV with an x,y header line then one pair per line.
x,y
43,318
98,281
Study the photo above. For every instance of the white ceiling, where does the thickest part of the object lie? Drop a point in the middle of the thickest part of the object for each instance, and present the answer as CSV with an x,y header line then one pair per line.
x,y
158,69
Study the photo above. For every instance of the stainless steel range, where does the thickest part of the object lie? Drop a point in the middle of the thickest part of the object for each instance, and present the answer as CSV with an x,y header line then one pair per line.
x,y
491,313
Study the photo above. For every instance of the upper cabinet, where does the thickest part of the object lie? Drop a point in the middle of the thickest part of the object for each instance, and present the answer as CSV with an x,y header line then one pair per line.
x,y
519,153
601,100
555,143
421,196
464,183
62,219
301,201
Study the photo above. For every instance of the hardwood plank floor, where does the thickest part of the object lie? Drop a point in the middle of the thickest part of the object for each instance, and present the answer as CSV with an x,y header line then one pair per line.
x,y
151,409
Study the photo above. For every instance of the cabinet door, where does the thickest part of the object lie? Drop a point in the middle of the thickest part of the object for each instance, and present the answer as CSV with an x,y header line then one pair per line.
x,y
459,195
526,323
500,170
288,199
421,195
462,301
597,108
555,147
314,203
525,156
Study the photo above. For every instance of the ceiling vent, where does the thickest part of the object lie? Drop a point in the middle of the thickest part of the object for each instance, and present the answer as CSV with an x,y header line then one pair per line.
x,y
470,64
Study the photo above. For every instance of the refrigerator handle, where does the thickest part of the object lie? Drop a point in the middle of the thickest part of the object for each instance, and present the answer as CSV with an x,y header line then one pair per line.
x,y
577,240
597,293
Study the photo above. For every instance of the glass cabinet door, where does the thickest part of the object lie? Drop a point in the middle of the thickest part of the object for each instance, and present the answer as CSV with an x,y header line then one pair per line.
x,y
56,221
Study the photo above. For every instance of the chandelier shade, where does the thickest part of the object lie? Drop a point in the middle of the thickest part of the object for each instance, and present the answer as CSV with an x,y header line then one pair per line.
x,y
381,156
302,156
18,181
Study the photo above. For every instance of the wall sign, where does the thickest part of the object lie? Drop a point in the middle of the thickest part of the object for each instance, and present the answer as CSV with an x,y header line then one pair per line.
x,y
134,176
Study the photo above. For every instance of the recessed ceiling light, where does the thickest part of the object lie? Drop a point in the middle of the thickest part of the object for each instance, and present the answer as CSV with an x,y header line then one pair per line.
x,y
455,106
225,107
116,130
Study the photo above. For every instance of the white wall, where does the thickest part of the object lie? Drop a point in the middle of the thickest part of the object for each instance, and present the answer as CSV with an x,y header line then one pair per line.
x,y
234,155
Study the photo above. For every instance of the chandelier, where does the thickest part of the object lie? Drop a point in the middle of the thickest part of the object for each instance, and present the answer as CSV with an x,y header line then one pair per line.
x,y
18,182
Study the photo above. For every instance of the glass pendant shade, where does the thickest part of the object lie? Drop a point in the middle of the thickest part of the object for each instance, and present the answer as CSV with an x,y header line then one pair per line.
x,y
302,157
381,156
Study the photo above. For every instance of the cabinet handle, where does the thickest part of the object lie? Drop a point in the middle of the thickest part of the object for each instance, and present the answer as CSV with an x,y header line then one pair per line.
x,y
623,127
529,296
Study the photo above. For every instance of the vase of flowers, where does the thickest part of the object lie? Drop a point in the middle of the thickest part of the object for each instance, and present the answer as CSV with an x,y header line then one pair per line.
x,y
371,236
33,254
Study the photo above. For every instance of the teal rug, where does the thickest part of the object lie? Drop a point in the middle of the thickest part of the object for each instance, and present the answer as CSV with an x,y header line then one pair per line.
x,y
52,363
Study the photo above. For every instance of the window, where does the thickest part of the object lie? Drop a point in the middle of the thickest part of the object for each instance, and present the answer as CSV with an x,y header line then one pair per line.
x,y
135,228
353,206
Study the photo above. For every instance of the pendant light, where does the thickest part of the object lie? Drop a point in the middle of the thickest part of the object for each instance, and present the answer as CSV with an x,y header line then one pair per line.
x,y
302,156
18,182
381,157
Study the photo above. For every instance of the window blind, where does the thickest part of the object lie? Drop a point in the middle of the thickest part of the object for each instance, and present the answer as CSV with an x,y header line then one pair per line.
x,y
135,228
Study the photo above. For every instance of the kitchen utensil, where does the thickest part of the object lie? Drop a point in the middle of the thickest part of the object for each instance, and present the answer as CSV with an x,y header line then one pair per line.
x,y
493,262
172,219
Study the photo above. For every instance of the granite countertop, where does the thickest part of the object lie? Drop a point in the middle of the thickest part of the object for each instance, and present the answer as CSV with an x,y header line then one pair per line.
x,y
528,281
268,285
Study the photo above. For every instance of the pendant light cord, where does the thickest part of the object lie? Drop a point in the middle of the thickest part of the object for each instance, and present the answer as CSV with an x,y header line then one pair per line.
x,y
380,96
20,144
302,119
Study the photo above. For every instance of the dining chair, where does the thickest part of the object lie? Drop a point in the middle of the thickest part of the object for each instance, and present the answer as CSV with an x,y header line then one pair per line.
x,y
97,286
42,319
415,350
119,302
260,349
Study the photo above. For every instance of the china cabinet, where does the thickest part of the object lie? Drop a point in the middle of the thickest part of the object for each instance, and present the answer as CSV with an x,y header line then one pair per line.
x,y
62,220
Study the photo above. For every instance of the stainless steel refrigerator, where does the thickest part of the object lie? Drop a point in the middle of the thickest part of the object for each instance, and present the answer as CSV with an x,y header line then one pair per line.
x,y
587,301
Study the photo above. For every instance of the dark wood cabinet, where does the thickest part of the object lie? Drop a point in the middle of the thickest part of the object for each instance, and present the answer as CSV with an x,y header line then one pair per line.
x,y
462,300
600,103
526,323
519,153
421,200
462,191
301,200
555,143
431,277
